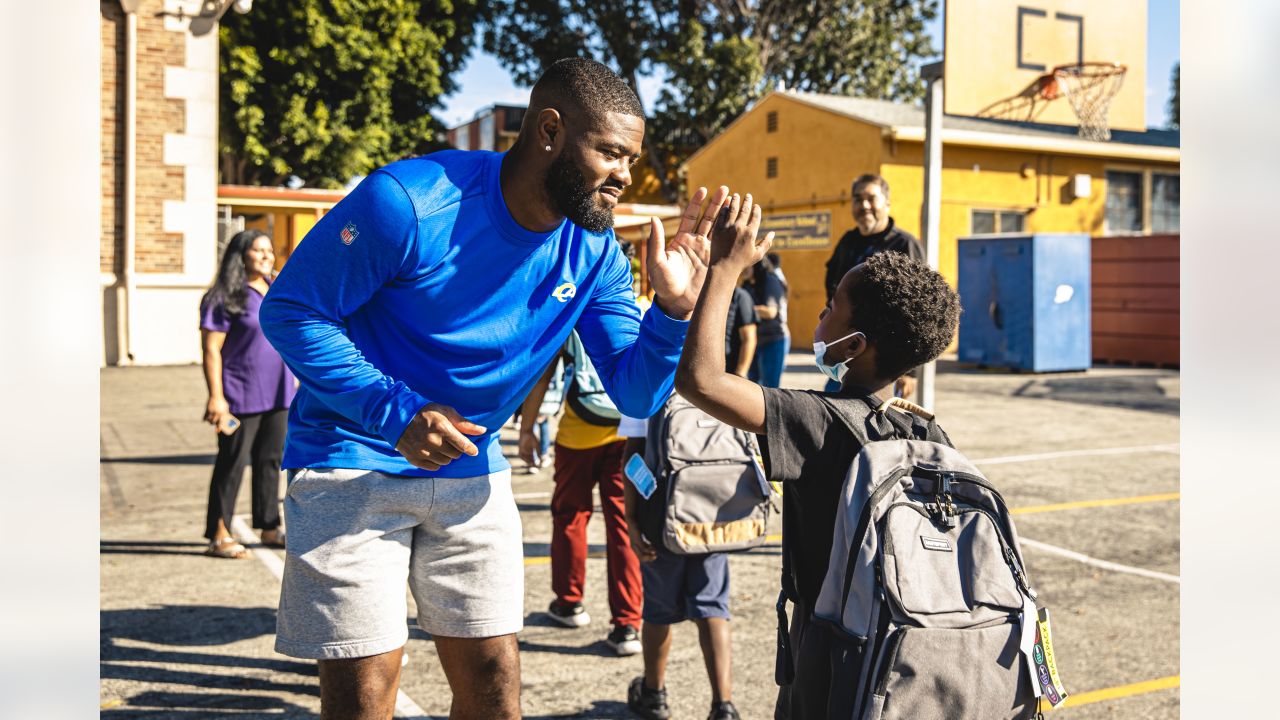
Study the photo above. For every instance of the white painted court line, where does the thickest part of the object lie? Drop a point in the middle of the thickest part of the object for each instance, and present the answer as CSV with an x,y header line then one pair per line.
x,y
1103,564
1169,448
405,706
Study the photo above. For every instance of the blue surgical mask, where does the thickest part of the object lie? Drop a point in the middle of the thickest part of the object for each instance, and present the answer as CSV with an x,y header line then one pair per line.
x,y
835,372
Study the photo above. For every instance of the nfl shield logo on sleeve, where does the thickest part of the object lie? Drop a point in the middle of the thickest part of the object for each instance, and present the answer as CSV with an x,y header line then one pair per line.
x,y
349,234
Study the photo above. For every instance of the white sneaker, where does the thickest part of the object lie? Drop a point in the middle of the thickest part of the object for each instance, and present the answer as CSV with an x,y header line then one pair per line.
x,y
572,615
624,640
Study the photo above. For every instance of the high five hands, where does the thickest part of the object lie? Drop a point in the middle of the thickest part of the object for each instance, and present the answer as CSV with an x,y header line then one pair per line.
x,y
733,238
677,270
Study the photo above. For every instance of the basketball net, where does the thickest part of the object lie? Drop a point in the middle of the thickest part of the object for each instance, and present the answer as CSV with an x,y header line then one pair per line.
x,y
1090,87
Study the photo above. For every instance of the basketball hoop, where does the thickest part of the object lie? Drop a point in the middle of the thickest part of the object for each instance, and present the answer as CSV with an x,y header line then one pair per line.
x,y
1090,87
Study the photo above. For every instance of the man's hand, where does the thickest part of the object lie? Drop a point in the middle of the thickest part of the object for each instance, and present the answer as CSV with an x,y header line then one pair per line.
x,y
639,545
435,437
678,270
733,239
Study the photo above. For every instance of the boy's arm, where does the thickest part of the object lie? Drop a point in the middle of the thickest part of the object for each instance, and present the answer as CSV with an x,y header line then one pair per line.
x,y
701,377
631,499
529,413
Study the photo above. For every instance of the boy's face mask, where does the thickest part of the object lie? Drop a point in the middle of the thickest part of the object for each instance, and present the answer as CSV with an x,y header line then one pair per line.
x,y
835,372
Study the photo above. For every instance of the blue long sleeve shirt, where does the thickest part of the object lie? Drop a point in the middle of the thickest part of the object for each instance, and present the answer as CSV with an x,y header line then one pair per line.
x,y
420,287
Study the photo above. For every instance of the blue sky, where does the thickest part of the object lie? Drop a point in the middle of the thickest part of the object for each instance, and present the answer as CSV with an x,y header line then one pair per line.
x,y
483,82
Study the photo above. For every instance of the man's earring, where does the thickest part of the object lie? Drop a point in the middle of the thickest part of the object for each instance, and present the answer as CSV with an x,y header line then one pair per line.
x,y
548,148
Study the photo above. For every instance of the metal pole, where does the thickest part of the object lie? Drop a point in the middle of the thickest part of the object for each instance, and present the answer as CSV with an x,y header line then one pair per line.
x,y
931,208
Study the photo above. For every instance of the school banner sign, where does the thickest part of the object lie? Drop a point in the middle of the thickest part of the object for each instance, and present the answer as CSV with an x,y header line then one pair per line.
x,y
802,231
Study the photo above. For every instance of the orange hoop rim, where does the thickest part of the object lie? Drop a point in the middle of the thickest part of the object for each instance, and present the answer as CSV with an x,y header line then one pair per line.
x,y
1048,83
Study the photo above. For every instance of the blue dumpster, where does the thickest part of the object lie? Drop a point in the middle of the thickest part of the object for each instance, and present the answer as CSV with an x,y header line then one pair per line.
x,y
1026,301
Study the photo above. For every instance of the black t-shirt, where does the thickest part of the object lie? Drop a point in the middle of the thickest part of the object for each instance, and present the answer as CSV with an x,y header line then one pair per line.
x,y
854,248
741,312
809,449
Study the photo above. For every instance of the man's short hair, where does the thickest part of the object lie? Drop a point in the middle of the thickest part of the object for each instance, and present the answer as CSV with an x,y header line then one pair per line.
x,y
867,178
585,87
907,310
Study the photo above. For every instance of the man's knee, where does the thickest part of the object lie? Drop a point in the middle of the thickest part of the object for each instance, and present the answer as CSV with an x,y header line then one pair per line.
x,y
360,687
484,675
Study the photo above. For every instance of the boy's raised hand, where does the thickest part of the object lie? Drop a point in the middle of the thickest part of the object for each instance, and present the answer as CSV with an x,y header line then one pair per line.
x,y
733,238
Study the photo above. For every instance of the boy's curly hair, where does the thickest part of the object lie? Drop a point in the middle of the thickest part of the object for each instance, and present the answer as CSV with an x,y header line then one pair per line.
x,y
907,310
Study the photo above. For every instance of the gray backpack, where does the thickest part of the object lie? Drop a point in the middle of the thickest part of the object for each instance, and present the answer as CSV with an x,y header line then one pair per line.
x,y
712,495
927,585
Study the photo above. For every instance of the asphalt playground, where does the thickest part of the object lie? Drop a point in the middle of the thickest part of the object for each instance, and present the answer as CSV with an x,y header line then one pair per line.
x,y
1088,461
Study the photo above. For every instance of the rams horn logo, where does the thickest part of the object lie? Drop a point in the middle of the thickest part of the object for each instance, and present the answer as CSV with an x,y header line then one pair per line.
x,y
564,292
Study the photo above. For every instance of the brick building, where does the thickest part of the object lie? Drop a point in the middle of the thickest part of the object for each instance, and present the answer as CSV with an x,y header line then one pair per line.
x,y
159,176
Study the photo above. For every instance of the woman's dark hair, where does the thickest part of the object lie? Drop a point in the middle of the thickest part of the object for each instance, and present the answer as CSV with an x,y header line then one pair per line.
x,y
759,272
228,289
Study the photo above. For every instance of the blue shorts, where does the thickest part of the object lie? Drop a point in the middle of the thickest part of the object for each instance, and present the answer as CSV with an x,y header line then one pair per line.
x,y
685,587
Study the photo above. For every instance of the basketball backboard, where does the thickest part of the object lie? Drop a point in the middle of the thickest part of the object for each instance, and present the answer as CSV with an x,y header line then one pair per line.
x,y
997,50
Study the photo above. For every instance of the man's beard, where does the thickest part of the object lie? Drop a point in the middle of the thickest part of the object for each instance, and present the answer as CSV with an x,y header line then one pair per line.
x,y
575,198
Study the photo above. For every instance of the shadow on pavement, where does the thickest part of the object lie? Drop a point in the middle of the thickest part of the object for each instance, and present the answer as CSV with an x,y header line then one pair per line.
x,y
114,652
1134,392
150,547
201,459
232,684
599,709
595,648
201,625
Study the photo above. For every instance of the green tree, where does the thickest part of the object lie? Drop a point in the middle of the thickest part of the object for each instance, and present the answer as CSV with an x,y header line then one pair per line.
x,y
718,56
325,90
1175,121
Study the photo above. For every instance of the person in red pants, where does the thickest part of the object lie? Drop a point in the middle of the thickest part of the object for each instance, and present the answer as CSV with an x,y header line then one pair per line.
x,y
588,454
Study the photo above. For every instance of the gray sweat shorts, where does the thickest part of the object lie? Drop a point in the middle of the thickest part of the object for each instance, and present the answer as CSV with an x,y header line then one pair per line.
x,y
356,536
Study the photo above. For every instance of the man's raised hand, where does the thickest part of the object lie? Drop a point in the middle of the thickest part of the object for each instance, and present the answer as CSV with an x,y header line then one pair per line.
x,y
437,436
677,270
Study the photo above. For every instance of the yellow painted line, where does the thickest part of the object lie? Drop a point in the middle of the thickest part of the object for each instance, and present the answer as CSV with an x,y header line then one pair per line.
x,y
1104,502
1122,691
538,560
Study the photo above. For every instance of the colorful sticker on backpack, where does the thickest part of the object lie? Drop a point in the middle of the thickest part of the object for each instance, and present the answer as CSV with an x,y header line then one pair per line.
x,y
1046,667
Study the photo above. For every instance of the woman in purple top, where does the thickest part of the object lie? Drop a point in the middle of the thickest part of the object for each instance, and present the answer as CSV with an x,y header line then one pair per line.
x,y
249,393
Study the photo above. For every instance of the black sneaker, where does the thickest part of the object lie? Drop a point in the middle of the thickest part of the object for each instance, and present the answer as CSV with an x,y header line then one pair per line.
x,y
624,640
647,703
723,711
572,615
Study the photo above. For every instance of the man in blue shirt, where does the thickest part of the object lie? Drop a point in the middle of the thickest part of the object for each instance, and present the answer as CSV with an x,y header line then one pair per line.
x,y
417,314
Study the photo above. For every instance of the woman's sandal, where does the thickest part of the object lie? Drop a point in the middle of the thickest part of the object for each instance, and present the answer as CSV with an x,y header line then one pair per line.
x,y
227,548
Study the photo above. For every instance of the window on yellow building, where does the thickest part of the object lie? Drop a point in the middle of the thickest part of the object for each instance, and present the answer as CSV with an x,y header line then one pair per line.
x,y
1164,203
990,222
771,167
1124,202
771,122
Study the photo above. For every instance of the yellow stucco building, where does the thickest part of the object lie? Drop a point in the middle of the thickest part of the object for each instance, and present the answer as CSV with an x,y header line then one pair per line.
x,y
797,153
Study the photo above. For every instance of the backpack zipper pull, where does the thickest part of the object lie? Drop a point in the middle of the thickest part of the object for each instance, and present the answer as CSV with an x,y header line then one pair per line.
x,y
946,508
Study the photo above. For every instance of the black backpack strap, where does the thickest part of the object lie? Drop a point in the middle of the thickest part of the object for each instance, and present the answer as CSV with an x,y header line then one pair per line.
x,y
861,417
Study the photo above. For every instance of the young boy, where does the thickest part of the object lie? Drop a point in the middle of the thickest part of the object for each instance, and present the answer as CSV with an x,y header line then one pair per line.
x,y
889,314
676,588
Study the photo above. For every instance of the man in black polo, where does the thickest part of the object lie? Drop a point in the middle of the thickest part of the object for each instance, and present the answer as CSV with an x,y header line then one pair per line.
x,y
875,233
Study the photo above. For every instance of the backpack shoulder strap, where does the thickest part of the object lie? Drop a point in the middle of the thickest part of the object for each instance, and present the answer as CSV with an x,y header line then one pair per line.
x,y
857,414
